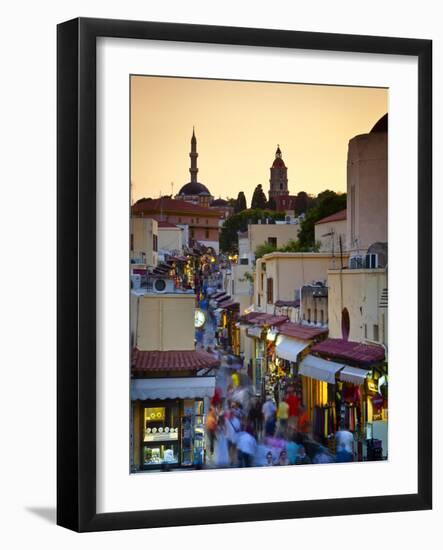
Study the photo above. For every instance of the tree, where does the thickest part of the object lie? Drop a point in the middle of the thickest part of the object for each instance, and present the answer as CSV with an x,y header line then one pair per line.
x,y
239,223
270,205
265,248
301,203
240,203
258,198
327,203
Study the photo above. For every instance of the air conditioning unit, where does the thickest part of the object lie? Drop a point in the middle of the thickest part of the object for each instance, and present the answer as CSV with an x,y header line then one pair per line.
x,y
162,286
356,262
371,261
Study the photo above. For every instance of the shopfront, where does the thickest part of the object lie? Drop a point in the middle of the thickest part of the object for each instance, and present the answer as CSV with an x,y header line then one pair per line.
x,y
168,419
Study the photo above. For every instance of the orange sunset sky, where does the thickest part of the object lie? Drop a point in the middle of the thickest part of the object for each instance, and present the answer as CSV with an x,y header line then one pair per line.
x,y
238,126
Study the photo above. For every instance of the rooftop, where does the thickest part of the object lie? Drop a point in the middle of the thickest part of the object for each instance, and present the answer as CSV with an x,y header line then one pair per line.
x,y
170,206
261,319
338,216
302,332
344,350
153,361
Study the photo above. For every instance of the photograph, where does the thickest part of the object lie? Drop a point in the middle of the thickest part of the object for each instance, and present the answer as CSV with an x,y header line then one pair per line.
x,y
258,274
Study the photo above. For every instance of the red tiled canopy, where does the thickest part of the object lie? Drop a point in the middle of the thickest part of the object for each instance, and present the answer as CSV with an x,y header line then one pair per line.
x,y
148,361
230,304
261,319
345,350
302,332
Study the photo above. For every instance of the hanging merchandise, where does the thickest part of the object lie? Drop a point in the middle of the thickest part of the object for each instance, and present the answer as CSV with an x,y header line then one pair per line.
x,y
324,420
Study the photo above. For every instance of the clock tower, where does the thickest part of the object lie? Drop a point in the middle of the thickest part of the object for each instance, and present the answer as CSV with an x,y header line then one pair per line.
x,y
279,177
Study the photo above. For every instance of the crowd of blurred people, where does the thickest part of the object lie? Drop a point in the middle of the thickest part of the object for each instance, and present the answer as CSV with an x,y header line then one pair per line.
x,y
252,432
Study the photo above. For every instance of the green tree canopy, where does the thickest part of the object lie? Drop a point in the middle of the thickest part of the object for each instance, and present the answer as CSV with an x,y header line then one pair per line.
x,y
240,203
258,198
270,205
239,223
327,203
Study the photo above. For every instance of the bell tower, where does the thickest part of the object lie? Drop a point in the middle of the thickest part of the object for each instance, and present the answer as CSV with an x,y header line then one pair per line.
x,y
278,182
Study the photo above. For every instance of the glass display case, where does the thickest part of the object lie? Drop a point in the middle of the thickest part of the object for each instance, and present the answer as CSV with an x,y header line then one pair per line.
x,y
192,433
161,434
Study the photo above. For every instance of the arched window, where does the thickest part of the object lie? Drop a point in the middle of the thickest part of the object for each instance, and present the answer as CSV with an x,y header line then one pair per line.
x,y
345,324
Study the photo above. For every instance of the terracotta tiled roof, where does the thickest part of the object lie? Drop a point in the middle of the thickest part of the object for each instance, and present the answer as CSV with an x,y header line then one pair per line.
x,y
345,350
149,361
230,304
261,319
338,216
166,205
163,224
302,332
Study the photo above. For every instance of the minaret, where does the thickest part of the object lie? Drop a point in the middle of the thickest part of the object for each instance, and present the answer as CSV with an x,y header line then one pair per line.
x,y
193,154
279,176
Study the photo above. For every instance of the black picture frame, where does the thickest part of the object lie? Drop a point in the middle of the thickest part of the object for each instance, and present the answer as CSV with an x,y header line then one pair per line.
x,y
76,281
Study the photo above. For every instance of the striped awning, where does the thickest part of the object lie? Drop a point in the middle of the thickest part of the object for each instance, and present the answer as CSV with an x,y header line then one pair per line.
x,y
172,388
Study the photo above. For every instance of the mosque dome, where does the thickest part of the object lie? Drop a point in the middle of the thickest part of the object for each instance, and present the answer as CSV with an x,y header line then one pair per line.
x,y
194,188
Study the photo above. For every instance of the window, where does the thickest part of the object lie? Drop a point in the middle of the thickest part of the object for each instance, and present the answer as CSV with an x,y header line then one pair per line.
x,y
376,334
207,222
206,233
366,330
262,282
270,290
309,315
179,220
322,317
272,241
258,300
154,243
315,315
244,261
192,233
132,242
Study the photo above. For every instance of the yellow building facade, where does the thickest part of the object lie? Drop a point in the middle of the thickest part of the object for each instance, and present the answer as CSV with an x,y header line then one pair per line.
x,y
162,322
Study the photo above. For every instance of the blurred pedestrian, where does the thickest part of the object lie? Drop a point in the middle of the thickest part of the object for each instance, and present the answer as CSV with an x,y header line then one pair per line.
x,y
233,427
292,450
221,454
283,458
344,445
293,407
282,416
302,457
269,459
211,426
304,424
269,411
246,448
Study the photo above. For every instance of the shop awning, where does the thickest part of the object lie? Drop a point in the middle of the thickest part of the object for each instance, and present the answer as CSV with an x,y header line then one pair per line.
x,y
320,369
255,332
288,348
353,375
172,388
